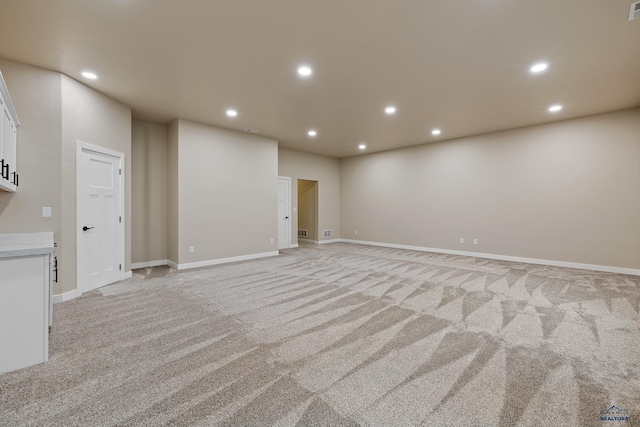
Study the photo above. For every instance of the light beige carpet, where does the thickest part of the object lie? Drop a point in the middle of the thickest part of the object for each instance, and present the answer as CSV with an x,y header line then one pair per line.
x,y
341,335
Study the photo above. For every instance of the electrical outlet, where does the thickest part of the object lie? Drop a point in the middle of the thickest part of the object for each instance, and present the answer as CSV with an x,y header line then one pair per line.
x,y
356,232
272,241
46,212
475,241
192,250
462,240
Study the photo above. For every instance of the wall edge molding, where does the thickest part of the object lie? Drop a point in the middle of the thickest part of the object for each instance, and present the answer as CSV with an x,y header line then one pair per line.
x,y
58,298
315,242
147,264
226,260
324,242
554,263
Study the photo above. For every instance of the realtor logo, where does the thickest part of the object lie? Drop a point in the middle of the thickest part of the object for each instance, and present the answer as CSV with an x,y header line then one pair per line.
x,y
614,414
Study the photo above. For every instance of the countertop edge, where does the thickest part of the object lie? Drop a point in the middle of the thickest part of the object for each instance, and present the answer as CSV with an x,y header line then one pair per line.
x,y
26,244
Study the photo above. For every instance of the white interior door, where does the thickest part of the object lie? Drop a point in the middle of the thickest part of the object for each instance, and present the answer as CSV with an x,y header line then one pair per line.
x,y
100,236
284,212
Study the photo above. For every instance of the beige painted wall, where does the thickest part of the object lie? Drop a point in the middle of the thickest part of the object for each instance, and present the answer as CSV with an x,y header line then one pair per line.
x,y
91,117
326,171
55,111
308,207
149,148
566,191
227,192
173,196
36,95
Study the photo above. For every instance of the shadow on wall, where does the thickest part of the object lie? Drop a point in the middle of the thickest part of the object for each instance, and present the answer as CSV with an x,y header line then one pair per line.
x,y
5,199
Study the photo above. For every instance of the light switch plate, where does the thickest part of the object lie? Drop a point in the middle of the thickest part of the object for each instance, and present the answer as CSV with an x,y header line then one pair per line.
x,y
46,212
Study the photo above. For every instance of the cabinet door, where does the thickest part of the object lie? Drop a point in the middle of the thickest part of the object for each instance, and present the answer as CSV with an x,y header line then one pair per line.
x,y
13,151
2,142
8,137
8,150
23,312
2,131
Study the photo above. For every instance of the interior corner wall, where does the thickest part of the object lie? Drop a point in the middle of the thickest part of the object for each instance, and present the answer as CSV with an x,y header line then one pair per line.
x,y
566,191
227,189
92,117
173,196
149,150
313,167
36,95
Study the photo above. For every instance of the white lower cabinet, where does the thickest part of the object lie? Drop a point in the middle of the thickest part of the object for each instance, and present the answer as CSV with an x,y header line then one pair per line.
x,y
25,295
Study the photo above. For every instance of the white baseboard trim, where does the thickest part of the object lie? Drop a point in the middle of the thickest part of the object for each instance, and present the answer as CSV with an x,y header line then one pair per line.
x,y
172,264
148,264
324,242
66,296
319,242
293,245
315,242
226,260
567,264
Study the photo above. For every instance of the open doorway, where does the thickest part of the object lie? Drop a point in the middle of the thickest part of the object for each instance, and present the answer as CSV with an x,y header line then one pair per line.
x,y
307,211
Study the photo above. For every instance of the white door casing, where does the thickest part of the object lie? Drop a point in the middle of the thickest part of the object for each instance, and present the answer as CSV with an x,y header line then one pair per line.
x,y
284,212
99,216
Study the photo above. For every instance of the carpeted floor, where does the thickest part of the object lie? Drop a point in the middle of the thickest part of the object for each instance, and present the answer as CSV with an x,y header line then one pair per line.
x,y
341,335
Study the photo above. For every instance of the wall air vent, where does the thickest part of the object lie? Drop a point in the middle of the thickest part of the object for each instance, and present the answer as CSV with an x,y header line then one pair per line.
x,y
326,233
250,130
634,13
303,233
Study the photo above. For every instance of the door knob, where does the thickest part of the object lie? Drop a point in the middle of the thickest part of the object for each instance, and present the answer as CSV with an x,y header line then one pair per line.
x,y
85,228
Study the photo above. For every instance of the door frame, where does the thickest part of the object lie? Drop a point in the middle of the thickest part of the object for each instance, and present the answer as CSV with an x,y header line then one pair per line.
x,y
289,245
80,146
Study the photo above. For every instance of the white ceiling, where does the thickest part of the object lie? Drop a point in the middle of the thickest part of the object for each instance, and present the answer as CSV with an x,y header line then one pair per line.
x,y
461,66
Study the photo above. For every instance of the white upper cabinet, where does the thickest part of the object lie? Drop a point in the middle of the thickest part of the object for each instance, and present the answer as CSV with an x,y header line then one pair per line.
x,y
9,179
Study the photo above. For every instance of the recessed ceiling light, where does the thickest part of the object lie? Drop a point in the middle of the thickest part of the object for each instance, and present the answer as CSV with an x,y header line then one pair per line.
x,y
362,146
555,108
305,71
539,67
312,133
89,75
390,109
232,113
436,132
